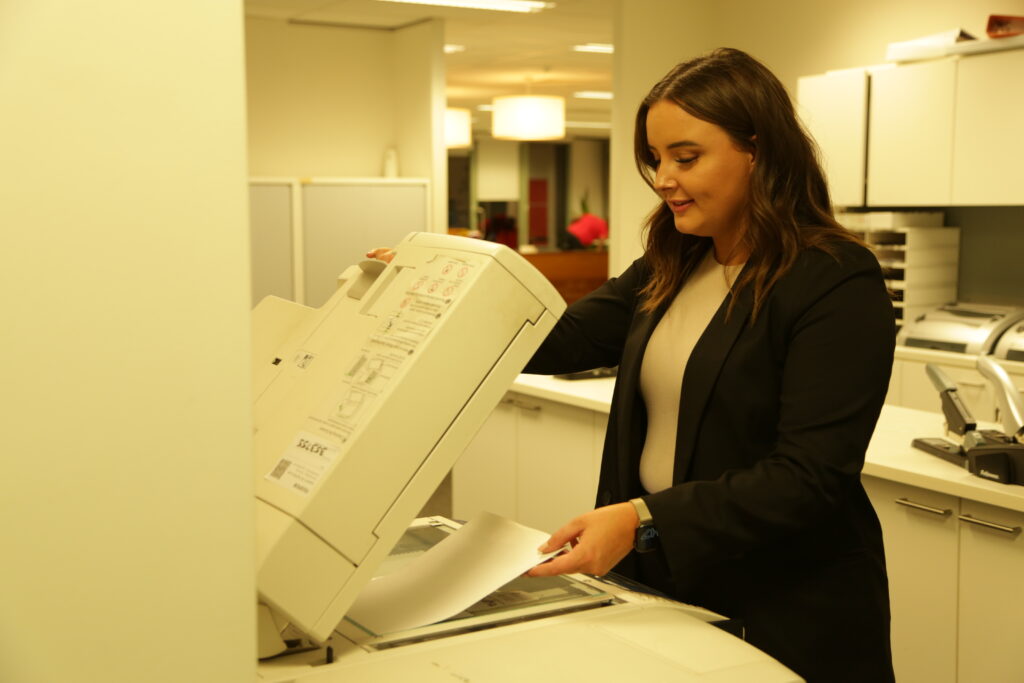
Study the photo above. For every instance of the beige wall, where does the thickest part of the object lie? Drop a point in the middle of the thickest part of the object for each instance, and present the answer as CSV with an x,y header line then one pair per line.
x,y
588,174
329,101
793,37
126,495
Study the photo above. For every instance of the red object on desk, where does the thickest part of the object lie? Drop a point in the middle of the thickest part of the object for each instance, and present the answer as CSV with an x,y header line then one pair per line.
x,y
1004,26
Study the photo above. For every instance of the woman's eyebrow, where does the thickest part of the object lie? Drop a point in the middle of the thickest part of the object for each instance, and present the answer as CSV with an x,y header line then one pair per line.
x,y
683,143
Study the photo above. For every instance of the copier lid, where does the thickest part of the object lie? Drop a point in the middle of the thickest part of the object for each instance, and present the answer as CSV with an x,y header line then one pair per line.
x,y
362,406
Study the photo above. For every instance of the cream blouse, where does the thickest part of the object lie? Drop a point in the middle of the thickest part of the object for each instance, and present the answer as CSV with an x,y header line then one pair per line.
x,y
668,350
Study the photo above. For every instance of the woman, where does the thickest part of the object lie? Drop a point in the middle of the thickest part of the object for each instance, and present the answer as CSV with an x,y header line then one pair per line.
x,y
754,341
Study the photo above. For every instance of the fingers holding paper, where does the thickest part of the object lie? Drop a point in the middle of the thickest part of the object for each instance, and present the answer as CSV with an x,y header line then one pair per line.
x,y
385,254
600,539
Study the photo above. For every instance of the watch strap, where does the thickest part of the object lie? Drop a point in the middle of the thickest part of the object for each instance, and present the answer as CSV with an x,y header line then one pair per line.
x,y
642,511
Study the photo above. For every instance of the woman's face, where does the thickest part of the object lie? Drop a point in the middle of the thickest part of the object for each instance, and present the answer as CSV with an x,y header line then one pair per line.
x,y
700,173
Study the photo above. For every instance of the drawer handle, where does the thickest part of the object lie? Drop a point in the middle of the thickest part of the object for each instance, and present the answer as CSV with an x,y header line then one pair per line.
x,y
944,512
523,405
1012,530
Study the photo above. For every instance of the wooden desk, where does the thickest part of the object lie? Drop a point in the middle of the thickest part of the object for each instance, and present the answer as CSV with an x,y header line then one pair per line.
x,y
573,273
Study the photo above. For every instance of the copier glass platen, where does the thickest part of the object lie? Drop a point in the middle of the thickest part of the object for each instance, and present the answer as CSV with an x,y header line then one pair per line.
x,y
360,409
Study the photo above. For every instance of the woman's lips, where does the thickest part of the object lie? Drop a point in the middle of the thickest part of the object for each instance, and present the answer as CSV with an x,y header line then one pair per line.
x,y
679,206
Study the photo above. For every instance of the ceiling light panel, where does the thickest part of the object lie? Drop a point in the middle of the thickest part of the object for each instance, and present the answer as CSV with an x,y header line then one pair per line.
x,y
498,5
601,48
593,95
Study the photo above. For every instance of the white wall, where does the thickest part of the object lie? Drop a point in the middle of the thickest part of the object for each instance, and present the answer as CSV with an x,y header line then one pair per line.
x,y
419,90
496,171
126,495
588,174
329,101
792,37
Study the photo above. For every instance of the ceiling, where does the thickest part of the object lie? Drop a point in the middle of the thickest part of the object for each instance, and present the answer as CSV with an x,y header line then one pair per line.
x,y
506,53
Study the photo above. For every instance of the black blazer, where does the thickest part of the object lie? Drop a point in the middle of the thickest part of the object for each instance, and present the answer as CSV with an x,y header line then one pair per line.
x,y
767,521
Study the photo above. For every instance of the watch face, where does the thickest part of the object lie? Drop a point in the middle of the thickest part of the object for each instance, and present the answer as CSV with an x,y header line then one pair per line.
x,y
646,539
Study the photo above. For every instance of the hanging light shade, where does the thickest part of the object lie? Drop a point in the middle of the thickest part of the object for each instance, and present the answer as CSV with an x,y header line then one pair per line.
x,y
457,129
528,117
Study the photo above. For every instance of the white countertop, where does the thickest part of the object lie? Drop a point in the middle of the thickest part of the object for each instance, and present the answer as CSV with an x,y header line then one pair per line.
x,y
890,455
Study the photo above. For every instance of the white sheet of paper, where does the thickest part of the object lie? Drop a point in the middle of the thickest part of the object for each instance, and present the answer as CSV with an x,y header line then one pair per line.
x,y
485,554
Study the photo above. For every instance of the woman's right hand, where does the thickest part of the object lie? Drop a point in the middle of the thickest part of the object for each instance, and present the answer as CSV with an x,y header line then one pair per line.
x,y
385,254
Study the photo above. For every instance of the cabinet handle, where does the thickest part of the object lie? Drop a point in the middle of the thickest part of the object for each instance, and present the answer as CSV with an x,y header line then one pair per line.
x,y
944,512
523,405
973,385
1012,530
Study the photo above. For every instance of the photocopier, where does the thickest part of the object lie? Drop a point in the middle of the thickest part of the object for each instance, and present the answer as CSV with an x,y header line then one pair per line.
x,y
360,409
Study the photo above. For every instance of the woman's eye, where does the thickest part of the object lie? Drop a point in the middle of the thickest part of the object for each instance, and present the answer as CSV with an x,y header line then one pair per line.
x,y
686,160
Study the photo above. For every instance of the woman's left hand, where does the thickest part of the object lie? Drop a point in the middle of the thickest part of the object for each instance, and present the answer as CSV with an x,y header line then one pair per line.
x,y
600,539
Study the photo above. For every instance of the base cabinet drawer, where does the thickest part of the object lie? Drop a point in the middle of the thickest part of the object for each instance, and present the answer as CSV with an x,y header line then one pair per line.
x,y
920,531
991,637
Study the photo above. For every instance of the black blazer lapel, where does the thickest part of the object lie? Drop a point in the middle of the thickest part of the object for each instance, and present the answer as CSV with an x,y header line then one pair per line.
x,y
632,422
702,369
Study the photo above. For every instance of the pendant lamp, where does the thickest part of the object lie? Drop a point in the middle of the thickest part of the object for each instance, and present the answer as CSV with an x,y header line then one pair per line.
x,y
457,128
528,117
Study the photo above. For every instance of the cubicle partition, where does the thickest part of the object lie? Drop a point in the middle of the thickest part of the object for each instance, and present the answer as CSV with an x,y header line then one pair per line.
x,y
306,232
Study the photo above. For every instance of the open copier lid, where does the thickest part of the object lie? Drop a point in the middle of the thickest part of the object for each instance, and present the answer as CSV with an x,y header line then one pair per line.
x,y
362,406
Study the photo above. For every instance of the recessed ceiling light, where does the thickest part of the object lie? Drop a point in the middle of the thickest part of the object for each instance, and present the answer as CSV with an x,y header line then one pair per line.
x,y
593,95
595,125
602,48
499,5
452,49
485,107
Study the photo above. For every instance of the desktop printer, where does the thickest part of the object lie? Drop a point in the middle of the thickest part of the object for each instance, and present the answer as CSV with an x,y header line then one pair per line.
x,y
962,328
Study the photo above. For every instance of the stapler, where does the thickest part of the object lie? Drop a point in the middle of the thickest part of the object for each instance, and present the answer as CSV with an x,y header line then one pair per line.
x,y
986,453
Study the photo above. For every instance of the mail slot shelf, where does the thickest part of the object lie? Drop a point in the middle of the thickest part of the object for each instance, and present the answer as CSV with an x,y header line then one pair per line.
x,y
919,264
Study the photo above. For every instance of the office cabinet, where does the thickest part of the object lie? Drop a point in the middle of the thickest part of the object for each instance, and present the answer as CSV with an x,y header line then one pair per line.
x,y
558,462
955,568
917,390
484,476
534,461
921,550
942,132
910,145
991,595
834,108
989,134
910,386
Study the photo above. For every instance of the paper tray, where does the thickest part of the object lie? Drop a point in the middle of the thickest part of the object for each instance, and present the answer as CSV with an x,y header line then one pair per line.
x,y
519,600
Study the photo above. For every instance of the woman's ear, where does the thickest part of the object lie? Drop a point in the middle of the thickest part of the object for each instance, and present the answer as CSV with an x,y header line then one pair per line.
x,y
753,149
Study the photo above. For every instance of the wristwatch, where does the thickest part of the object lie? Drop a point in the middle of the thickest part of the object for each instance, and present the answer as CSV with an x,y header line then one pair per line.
x,y
645,538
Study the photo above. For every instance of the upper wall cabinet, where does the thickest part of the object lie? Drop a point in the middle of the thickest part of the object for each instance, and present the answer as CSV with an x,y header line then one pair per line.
x,y
943,132
910,143
834,108
989,138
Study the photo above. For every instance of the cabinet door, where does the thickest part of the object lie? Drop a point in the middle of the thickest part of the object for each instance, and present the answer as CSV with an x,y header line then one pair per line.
x,y
894,396
918,392
484,477
910,146
557,473
834,109
991,594
920,532
988,142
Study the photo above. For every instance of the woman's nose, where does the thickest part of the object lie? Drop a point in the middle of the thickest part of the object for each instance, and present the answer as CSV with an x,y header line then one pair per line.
x,y
663,181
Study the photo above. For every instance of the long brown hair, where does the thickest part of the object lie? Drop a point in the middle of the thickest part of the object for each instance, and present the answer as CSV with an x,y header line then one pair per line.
x,y
788,207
